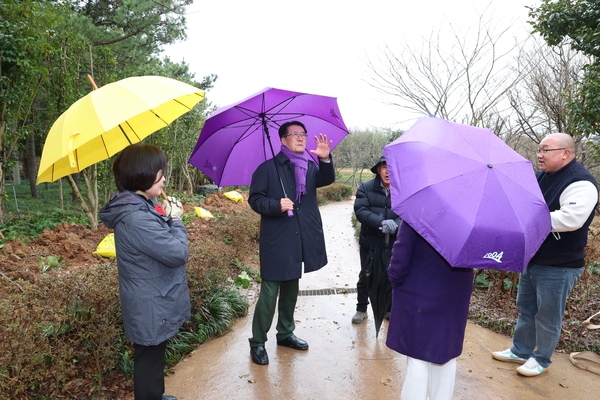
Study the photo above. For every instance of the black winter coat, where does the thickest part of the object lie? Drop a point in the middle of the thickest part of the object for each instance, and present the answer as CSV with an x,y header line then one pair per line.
x,y
287,242
371,206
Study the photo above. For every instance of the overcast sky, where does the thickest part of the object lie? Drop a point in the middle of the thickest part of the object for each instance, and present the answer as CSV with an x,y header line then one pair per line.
x,y
321,46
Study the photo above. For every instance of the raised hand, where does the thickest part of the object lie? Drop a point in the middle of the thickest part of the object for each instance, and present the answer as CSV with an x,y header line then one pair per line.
x,y
323,146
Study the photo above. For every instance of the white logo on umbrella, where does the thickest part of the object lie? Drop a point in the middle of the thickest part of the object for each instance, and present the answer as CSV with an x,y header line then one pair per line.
x,y
495,256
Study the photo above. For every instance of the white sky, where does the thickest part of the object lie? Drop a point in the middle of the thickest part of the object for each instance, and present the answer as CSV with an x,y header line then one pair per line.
x,y
320,46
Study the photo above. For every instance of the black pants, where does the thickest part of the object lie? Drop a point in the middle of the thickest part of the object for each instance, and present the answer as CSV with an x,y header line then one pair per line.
x,y
361,286
362,294
148,372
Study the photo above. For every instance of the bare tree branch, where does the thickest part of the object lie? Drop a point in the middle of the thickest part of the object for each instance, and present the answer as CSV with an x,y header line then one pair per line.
x,y
458,76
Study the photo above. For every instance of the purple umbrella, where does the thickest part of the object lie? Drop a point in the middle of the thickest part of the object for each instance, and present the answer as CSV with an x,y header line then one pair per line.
x,y
236,139
472,197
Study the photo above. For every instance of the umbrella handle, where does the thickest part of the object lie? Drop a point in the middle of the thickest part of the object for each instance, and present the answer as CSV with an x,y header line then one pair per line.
x,y
163,195
290,213
92,82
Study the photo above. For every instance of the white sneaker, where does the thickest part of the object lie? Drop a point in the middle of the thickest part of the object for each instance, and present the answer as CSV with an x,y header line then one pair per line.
x,y
531,368
507,356
359,317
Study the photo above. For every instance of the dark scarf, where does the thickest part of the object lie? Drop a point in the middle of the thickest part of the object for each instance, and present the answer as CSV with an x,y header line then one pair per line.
x,y
300,160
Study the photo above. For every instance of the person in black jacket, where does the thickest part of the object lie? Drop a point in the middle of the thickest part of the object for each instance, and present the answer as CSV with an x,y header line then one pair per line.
x,y
291,232
373,210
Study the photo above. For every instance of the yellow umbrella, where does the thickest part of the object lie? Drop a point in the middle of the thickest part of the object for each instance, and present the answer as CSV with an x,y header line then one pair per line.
x,y
108,119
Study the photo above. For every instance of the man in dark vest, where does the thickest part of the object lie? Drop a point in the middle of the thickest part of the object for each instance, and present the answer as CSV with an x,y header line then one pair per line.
x,y
571,193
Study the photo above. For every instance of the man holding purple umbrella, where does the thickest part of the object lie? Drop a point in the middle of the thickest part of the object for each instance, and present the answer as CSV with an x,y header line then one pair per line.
x,y
571,193
291,232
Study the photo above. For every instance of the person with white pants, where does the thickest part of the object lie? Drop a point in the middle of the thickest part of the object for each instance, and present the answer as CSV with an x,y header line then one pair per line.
x,y
425,380
430,307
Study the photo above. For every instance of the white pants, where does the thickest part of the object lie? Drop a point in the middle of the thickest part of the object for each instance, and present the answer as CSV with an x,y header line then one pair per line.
x,y
425,380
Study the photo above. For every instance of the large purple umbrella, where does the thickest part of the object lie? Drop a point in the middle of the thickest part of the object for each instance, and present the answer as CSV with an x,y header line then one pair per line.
x,y
472,197
237,138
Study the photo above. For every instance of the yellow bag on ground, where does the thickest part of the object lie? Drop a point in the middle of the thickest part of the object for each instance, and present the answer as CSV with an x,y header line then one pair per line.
x,y
202,213
106,248
233,195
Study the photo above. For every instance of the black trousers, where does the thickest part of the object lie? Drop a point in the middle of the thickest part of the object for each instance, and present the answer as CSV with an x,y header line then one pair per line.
x,y
362,294
148,372
361,286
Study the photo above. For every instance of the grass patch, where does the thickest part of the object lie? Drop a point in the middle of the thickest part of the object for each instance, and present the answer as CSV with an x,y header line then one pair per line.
x,y
26,217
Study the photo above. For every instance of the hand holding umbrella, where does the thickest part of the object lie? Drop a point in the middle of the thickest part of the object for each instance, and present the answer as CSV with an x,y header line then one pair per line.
x,y
287,205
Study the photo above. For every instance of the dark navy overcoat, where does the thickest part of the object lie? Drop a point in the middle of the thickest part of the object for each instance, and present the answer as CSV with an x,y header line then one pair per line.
x,y
288,242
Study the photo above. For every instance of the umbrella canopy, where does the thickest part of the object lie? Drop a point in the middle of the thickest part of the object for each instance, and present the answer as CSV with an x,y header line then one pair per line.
x,y
108,119
237,138
472,197
379,287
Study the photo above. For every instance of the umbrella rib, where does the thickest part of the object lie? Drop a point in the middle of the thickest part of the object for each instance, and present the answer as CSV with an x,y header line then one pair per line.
x,y
185,106
125,134
247,134
159,117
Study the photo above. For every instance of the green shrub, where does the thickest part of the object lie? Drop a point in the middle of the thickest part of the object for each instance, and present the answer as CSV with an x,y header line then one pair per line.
x,y
334,192
62,330
221,310
31,225
62,333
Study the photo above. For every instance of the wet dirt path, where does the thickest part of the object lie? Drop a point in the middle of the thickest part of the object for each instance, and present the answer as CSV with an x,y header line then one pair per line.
x,y
346,361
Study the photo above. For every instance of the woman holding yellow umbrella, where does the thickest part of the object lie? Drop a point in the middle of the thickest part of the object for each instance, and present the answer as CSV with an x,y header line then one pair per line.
x,y
152,250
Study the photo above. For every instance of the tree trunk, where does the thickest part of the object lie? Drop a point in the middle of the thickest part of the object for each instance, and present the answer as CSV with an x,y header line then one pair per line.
x,y
31,166
188,179
61,197
76,178
2,132
91,182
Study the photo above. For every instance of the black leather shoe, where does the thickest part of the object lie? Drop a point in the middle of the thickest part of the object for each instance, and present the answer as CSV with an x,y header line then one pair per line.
x,y
293,342
259,355
165,397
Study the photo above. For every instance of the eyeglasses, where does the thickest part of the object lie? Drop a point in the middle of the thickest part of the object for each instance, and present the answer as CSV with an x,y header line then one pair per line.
x,y
544,151
297,135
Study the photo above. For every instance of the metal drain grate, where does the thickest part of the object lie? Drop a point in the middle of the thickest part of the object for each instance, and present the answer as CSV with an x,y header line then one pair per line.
x,y
326,292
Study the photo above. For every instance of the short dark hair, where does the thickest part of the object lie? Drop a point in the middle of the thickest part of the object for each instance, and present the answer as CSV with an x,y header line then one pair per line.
x,y
135,168
283,128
